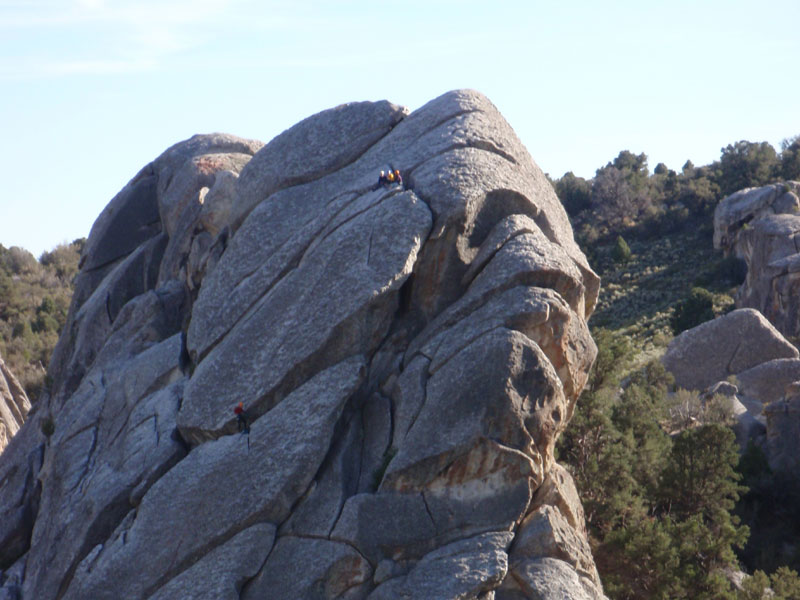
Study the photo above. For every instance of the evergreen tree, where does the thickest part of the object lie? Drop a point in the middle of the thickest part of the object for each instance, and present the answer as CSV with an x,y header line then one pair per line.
x,y
790,158
621,253
574,192
699,489
639,561
747,164
754,587
785,584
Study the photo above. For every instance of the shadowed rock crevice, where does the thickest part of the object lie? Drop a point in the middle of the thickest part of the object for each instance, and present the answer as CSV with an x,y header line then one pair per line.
x,y
405,356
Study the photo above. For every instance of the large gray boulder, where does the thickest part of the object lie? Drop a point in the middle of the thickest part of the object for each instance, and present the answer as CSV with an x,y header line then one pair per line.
x,y
405,355
762,227
727,345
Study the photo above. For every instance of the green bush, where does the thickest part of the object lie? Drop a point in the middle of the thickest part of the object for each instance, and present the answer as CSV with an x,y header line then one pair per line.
x,y
697,308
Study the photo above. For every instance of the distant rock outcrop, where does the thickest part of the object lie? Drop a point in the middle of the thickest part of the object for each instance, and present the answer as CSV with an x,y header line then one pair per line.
x,y
407,355
727,345
14,405
762,226
764,364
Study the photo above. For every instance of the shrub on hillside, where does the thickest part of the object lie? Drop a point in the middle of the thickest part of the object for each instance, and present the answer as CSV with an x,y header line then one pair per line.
x,y
621,253
695,309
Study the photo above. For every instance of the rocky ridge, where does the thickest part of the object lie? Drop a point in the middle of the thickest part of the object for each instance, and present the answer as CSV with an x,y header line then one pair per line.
x,y
407,356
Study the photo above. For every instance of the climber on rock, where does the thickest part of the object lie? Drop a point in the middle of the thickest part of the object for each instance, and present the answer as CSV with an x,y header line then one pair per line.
x,y
381,180
241,418
386,179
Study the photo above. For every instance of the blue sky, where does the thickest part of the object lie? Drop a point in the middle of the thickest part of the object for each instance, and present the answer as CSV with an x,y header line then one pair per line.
x,y
92,90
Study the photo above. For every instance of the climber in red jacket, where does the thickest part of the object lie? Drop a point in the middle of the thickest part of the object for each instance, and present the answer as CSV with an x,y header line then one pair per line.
x,y
241,418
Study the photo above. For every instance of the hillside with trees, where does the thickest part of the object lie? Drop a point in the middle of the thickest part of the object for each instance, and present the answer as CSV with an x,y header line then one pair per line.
x,y
34,300
672,508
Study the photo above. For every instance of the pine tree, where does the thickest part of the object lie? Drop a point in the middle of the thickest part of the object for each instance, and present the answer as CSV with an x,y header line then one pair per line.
x,y
621,253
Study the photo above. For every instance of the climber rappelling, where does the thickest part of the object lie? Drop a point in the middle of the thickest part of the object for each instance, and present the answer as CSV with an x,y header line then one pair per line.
x,y
242,422
241,418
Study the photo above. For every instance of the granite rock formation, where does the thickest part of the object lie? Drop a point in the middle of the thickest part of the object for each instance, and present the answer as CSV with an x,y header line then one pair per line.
x,y
407,355
762,227
14,405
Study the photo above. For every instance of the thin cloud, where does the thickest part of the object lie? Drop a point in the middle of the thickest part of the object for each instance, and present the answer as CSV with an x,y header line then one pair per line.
x,y
94,37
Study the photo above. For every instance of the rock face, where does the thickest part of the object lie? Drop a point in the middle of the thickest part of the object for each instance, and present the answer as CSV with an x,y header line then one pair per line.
x,y
762,226
406,354
14,405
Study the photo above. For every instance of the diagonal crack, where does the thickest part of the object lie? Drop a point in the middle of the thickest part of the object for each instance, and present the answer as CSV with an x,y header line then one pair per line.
x,y
733,358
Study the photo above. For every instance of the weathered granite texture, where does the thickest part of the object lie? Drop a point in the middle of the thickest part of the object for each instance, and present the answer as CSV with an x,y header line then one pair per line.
x,y
407,356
